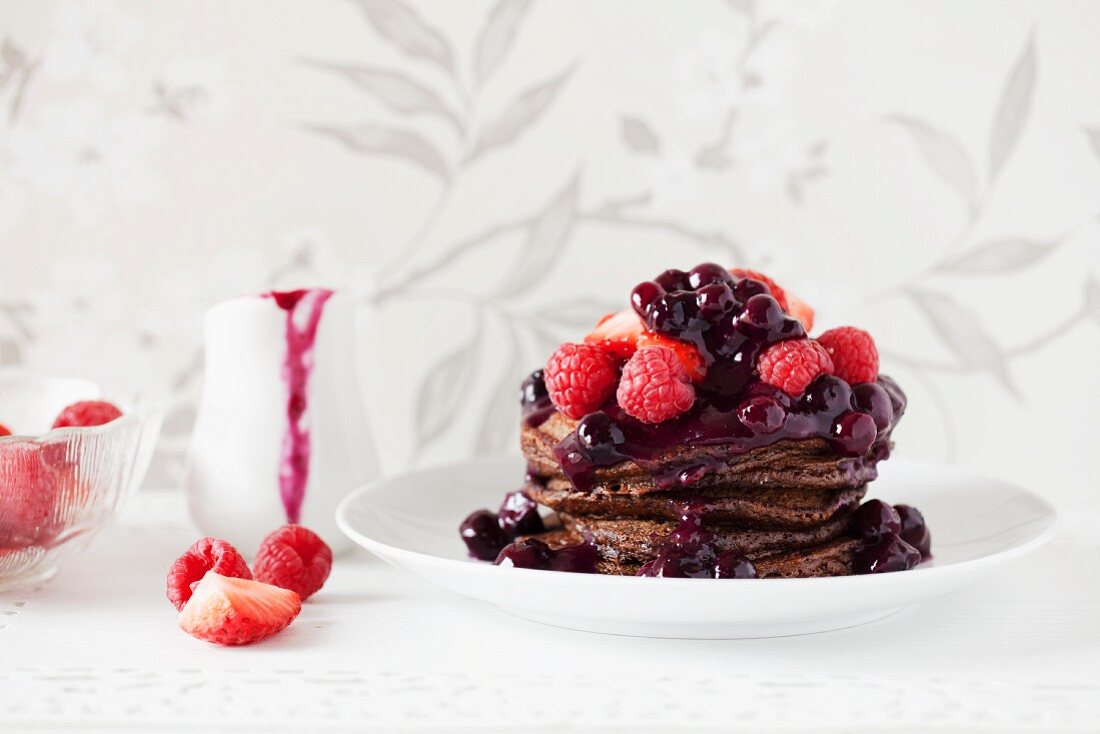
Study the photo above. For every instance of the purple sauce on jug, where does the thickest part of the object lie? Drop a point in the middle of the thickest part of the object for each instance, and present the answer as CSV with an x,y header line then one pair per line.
x,y
303,316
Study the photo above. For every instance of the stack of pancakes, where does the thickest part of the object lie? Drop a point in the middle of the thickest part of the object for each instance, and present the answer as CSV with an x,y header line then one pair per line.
x,y
786,507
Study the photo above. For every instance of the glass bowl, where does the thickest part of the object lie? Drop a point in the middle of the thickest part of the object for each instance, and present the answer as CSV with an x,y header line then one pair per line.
x,y
59,487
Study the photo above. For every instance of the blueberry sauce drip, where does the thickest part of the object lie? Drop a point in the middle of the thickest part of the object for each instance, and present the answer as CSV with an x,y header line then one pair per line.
x,y
759,416
534,400
687,552
533,553
303,316
894,538
485,533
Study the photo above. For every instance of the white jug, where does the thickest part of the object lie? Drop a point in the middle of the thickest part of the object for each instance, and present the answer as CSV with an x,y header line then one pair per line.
x,y
281,435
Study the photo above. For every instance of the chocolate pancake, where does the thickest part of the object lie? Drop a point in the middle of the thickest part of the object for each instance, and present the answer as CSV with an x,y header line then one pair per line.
x,y
750,507
637,541
831,558
804,464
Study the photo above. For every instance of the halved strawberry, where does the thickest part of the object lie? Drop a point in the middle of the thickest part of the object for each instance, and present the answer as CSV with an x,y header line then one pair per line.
x,y
617,333
4,430
687,353
777,292
801,311
231,611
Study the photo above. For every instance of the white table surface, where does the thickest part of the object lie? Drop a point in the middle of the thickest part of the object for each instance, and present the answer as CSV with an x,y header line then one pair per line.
x,y
97,648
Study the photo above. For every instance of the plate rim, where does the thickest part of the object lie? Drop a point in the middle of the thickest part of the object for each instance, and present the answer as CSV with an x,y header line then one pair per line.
x,y
385,551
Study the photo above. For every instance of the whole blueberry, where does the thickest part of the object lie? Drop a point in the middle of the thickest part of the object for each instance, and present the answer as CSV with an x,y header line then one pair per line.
x,y
533,389
530,553
672,280
707,274
644,295
890,554
599,436
828,395
897,398
872,399
746,288
914,531
875,520
714,299
519,515
762,415
852,433
682,309
733,565
482,535
761,313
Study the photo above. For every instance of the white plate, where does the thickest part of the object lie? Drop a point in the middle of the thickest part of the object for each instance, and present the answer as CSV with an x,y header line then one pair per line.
x,y
977,523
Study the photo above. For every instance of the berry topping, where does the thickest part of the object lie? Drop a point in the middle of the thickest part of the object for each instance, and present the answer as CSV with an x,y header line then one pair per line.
x,y
892,554
827,394
854,355
687,353
872,399
773,288
600,437
579,378
533,389
207,554
853,433
294,558
762,415
793,364
734,566
236,611
519,515
617,333
875,520
87,413
532,553
914,531
482,535
4,430
655,386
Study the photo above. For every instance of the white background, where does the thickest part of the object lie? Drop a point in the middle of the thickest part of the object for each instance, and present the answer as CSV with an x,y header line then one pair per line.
x,y
489,178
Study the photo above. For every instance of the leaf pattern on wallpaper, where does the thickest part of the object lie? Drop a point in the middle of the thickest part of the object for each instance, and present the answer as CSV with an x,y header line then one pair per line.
x,y
395,90
945,155
576,314
639,136
545,239
501,415
1000,256
523,112
1093,134
959,330
402,26
497,37
373,139
1013,110
1092,299
444,389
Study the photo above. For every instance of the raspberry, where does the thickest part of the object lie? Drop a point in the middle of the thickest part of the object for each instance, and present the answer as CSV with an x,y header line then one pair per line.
x,y
4,430
777,293
793,364
294,558
655,386
87,413
855,357
207,554
580,377
687,353
29,491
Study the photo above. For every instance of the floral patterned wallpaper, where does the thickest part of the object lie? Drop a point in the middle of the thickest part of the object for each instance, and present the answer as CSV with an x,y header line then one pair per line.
x,y
489,177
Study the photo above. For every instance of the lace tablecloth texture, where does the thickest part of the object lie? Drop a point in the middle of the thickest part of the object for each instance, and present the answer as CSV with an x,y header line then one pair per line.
x,y
97,648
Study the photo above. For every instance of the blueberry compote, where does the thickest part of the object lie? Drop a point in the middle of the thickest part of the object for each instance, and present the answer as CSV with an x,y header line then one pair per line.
x,y
894,538
730,320
687,553
486,533
534,400
533,553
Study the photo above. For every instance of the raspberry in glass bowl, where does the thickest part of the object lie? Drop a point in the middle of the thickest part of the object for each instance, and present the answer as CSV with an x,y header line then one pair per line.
x,y
59,486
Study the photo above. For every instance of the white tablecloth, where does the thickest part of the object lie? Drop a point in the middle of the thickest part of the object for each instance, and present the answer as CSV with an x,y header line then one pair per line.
x,y
98,648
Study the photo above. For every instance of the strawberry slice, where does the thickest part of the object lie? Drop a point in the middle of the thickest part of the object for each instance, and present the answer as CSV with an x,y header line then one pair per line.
x,y
801,311
617,333
687,353
232,611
